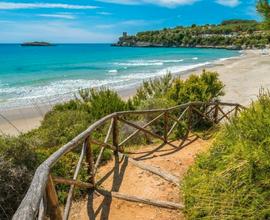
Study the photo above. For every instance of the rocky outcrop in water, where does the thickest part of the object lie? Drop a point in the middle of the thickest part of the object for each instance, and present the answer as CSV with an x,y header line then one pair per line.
x,y
36,43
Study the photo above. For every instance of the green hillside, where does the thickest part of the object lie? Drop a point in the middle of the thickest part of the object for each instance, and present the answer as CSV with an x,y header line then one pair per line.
x,y
230,34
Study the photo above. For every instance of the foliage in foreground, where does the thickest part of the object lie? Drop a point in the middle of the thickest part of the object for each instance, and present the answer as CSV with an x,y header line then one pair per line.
x,y
17,164
232,181
263,7
20,156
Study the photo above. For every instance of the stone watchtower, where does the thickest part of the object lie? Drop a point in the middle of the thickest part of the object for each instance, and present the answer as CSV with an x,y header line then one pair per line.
x,y
125,34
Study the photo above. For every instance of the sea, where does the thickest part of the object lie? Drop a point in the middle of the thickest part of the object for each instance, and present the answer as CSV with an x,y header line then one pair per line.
x,y
53,74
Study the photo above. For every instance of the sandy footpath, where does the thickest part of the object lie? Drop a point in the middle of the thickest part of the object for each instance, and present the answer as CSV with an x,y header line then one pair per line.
x,y
243,77
125,178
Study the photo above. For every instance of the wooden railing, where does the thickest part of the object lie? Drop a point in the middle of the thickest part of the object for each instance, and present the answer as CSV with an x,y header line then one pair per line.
x,y
41,198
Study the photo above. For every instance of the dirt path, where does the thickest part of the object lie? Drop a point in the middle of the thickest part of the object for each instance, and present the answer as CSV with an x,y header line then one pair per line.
x,y
126,178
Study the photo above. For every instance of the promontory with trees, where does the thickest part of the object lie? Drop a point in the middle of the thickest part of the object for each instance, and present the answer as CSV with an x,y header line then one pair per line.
x,y
230,34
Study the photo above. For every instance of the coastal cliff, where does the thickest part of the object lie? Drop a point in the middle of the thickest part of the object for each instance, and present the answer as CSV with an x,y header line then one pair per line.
x,y
231,34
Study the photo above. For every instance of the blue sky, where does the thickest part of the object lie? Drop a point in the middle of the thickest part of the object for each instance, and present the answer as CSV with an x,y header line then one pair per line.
x,y
102,21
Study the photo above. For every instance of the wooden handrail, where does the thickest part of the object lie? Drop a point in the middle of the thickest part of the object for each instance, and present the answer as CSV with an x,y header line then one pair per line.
x,y
29,206
72,187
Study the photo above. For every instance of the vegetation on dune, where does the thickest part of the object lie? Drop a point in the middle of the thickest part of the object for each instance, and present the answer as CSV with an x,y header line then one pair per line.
x,y
231,34
202,87
20,156
232,181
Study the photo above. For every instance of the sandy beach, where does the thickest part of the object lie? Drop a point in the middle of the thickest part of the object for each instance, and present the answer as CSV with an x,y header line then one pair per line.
x,y
243,77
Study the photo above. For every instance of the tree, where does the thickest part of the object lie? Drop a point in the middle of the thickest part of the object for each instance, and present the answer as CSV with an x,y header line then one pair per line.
x,y
263,7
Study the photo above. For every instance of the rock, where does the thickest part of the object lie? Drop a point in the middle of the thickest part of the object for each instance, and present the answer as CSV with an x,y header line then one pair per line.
x,y
36,43
160,183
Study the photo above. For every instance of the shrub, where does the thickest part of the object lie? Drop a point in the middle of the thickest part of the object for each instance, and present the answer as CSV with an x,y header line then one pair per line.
x,y
232,180
205,87
154,88
102,102
17,165
65,167
14,181
58,128
156,103
139,139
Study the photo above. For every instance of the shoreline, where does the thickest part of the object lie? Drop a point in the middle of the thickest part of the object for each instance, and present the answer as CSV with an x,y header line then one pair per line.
x,y
243,76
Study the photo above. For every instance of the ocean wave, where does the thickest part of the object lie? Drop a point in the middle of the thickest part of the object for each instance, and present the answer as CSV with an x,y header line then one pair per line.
x,y
72,86
173,61
112,72
164,61
230,58
195,58
62,90
53,89
155,62
139,64
173,70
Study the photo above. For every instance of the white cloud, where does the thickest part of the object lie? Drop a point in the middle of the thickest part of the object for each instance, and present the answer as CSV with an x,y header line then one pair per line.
x,y
165,3
64,16
230,3
52,31
15,5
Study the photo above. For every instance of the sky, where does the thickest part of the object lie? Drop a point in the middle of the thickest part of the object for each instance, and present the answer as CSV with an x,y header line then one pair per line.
x,y
103,21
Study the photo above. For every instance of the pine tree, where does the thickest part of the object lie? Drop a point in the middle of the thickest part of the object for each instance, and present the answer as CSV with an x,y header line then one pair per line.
x,y
263,7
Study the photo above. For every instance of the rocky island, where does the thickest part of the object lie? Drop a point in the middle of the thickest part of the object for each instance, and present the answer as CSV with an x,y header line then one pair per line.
x,y
230,34
36,43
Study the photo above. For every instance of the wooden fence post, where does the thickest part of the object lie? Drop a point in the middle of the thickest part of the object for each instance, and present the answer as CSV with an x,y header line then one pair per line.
x,y
90,161
236,110
216,113
190,109
165,127
115,134
54,210
189,122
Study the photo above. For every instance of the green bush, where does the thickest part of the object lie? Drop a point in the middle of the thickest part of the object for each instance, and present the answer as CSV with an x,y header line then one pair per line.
x,y
205,87
14,181
263,7
156,103
17,165
153,88
232,181
102,102
59,127
65,167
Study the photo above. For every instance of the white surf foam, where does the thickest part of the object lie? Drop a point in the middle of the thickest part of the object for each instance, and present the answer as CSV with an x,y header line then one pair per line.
x,y
154,62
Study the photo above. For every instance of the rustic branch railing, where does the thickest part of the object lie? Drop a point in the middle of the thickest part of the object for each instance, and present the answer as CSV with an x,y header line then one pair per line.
x,y
41,198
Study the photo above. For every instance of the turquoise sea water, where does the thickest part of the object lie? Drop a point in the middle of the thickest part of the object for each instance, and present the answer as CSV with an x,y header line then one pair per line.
x,y
52,73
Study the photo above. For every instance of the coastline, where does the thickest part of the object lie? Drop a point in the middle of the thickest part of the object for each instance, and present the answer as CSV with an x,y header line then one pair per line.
x,y
243,77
